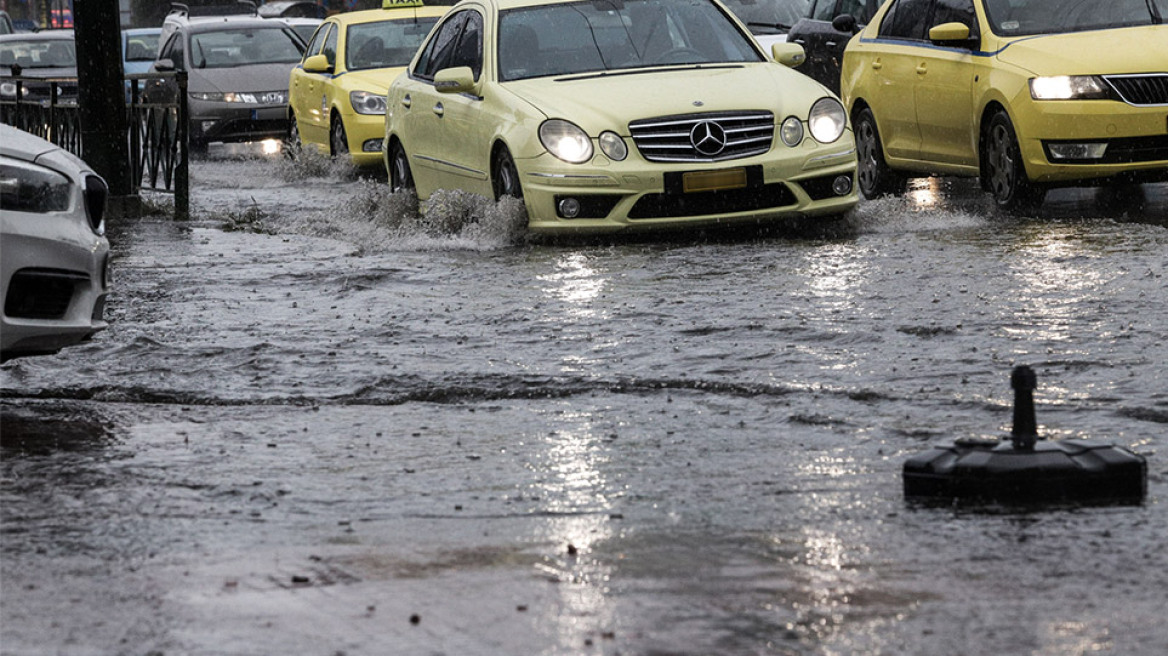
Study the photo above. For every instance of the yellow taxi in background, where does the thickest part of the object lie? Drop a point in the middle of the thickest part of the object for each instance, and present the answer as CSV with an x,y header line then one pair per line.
x,y
1025,94
336,94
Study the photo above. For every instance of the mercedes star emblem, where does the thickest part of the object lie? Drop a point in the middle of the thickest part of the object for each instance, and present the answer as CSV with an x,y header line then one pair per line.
x,y
708,138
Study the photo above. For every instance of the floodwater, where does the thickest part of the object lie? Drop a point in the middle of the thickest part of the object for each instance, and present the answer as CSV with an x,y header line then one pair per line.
x,y
320,425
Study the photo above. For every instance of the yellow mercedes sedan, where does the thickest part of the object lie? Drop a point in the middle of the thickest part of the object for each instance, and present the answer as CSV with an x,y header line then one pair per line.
x,y
336,94
618,115
1024,94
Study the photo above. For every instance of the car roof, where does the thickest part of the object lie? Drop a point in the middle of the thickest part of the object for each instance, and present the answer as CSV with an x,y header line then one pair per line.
x,y
390,13
217,23
47,35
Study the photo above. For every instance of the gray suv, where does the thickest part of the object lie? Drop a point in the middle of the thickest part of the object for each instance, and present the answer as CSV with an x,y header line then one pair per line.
x,y
237,68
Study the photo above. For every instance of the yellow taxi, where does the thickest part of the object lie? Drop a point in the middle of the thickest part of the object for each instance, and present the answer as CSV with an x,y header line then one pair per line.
x,y
1024,94
336,94
614,116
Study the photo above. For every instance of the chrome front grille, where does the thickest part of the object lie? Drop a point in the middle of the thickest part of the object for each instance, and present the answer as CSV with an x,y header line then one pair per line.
x,y
709,137
1150,89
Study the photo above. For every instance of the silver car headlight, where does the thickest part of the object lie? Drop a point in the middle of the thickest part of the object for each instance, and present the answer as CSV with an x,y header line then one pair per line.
x,y
27,187
248,98
364,102
565,140
827,120
1069,87
791,131
8,89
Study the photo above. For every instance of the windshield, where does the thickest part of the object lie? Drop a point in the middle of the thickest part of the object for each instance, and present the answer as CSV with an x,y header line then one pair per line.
x,y
227,48
385,44
141,47
1023,17
604,35
768,16
58,53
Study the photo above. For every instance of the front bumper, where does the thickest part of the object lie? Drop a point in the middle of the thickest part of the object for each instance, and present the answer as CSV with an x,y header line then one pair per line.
x,y
54,272
636,195
366,135
235,122
1135,140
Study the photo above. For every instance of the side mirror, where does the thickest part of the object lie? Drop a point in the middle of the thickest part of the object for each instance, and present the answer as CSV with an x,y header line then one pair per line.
x,y
164,65
317,64
788,54
950,34
454,80
845,23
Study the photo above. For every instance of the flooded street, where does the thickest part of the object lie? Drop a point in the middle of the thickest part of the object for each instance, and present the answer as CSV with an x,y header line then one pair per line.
x,y
320,425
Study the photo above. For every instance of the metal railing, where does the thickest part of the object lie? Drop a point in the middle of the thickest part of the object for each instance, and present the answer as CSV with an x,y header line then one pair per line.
x,y
156,134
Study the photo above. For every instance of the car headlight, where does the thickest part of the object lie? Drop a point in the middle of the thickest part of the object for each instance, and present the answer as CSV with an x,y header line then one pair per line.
x,y
827,120
364,102
249,98
27,187
791,131
1069,87
8,89
613,146
566,141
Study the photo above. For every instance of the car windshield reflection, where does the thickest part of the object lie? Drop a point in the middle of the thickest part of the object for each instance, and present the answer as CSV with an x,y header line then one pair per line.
x,y
385,44
1024,17
589,37
227,48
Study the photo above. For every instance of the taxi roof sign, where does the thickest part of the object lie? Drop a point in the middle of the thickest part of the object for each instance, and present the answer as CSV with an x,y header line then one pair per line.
x,y
400,4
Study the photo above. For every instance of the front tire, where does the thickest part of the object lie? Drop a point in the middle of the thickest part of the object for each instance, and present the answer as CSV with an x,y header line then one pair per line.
x,y
505,180
401,178
874,175
1003,172
338,140
292,144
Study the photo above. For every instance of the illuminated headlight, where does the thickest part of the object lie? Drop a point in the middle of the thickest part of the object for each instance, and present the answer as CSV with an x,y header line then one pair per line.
x,y
791,132
364,102
248,98
612,145
1068,87
827,120
8,89
566,141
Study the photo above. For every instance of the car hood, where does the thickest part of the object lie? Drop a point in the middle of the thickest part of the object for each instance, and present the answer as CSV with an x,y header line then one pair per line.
x,y
1128,50
611,101
257,77
373,79
21,145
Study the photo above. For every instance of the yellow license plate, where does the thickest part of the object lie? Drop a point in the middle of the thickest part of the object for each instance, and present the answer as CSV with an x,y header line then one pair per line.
x,y
696,181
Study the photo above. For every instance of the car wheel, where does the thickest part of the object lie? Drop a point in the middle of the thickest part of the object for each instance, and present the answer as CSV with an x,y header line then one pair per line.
x,y
337,138
506,178
875,177
1003,171
292,143
400,177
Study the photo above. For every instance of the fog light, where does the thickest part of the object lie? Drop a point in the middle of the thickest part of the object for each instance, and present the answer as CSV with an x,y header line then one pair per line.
x,y
372,146
1077,150
842,185
569,208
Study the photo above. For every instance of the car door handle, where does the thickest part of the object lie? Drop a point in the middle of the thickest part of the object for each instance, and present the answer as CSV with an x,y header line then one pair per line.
x,y
922,69
831,44
406,101
439,109
877,65
801,41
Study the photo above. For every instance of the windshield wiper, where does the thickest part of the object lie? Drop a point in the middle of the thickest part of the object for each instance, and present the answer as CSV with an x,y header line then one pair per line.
x,y
780,26
1157,19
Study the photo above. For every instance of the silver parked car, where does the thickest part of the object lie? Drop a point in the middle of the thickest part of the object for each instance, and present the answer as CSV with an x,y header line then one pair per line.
x,y
237,74
54,257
